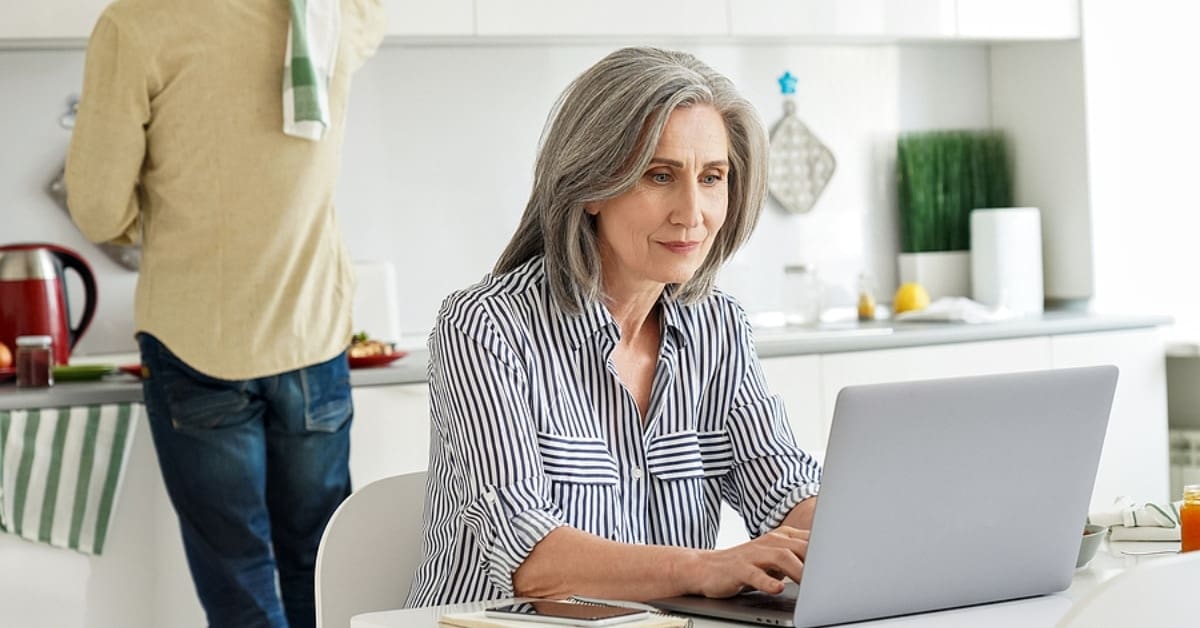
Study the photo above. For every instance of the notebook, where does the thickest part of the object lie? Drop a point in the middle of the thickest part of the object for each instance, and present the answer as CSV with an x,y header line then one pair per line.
x,y
478,619
943,493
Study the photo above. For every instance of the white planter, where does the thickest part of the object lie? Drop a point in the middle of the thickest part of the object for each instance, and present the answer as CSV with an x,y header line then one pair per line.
x,y
941,273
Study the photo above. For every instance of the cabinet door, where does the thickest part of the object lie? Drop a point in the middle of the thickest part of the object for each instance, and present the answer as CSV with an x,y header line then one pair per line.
x,y
835,18
390,433
422,17
49,19
798,380
839,370
596,17
1135,459
1018,19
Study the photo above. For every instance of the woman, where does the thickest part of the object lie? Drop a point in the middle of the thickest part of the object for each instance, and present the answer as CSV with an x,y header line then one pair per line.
x,y
595,399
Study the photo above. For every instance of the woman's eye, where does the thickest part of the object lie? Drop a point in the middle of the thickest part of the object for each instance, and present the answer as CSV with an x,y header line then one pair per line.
x,y
711,179
660,177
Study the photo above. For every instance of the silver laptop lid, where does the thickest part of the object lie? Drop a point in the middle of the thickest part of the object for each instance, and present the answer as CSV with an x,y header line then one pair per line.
x,y
952,492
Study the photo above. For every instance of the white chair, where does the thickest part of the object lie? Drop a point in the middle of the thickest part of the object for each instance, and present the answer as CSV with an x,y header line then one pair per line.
x,y
370,550
1159,593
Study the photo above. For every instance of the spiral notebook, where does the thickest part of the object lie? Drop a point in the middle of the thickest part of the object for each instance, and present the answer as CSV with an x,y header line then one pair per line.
x,y
477,619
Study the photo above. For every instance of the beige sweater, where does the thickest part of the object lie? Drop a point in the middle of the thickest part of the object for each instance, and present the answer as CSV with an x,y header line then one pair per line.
x,y
178,144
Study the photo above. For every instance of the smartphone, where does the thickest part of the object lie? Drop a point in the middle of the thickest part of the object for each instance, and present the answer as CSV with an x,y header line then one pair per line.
x,y
566,614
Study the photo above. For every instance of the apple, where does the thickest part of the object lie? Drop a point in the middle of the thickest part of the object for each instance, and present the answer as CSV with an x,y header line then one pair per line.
x,y
6,357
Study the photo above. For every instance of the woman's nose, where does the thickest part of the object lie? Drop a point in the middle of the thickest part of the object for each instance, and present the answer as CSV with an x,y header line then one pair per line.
x,y
688,211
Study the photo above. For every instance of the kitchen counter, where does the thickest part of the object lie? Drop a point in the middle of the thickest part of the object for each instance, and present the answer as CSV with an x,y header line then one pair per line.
x,y
772,342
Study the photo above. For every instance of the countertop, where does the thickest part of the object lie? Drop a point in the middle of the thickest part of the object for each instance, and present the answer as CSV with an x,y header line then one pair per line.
x,y
771,342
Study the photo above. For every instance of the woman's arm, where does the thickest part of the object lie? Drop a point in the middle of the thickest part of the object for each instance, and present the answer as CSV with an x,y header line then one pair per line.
x,y
801,515
572,562
773,481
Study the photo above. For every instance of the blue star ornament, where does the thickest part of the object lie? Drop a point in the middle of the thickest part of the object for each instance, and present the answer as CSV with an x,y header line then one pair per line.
x,y
787,83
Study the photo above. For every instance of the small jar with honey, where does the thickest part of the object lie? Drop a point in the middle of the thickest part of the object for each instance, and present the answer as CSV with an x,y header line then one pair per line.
x,y
1189,519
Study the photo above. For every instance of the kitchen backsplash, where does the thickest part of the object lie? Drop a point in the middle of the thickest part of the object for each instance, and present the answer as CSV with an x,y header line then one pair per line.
x,y
441,142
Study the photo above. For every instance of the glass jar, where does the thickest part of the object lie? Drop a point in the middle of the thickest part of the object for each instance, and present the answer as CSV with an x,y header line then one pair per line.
x,y
802,295
1189,519
35,361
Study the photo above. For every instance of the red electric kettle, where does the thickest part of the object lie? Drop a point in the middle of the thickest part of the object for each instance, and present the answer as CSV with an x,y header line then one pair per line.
x,y
33,295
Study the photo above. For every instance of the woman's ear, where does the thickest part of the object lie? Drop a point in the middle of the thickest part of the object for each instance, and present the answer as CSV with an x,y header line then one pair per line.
x,y
592,208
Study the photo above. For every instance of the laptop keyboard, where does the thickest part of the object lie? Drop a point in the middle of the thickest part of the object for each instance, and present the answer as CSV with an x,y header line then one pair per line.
x,y
784,603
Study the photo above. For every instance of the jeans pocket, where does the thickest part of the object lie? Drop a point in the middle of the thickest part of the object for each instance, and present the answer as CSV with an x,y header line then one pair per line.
x,y
191,399
327,402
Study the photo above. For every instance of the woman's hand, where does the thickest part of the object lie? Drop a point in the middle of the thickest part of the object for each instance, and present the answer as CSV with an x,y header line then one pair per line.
x,y
759,564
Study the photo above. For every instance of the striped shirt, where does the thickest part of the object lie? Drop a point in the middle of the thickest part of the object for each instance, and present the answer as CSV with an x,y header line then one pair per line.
x,y
532,429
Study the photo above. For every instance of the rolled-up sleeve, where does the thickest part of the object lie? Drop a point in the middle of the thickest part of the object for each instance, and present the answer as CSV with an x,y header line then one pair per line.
x,y
771,473
480,411
108,144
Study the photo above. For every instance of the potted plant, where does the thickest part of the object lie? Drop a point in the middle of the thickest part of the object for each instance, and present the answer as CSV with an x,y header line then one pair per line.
x,y
941,177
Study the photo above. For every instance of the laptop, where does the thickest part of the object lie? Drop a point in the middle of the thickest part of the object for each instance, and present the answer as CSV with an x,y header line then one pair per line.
x,y
943,493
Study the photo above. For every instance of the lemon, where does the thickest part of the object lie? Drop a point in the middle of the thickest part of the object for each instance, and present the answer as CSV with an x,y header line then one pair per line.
x,y
909,297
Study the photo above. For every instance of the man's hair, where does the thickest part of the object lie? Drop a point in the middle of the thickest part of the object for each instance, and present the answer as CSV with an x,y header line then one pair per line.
x,y
600,137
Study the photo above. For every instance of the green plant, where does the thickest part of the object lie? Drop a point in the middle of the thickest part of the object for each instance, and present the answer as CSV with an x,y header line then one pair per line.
x,y
941,177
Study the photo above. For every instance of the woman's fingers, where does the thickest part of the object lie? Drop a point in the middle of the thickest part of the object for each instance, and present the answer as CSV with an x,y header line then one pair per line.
x,y
763,563
765,583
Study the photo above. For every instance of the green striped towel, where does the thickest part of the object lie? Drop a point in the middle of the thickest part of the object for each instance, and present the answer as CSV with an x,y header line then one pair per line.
x,y
61,472
312,48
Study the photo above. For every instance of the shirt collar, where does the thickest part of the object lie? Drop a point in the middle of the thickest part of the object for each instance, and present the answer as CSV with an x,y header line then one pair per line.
x,y
676,318
596,317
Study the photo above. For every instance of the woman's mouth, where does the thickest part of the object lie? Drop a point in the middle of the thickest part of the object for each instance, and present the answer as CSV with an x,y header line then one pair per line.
x,y
681,247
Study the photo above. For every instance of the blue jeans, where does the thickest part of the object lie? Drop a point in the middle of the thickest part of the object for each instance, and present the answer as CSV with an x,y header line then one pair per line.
x,y
254,469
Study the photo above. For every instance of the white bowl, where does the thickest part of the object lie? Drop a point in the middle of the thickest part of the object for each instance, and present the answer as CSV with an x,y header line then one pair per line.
x,y
1092,536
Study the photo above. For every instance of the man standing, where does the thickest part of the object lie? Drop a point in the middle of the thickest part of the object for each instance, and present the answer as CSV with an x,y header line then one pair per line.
x,y
211,132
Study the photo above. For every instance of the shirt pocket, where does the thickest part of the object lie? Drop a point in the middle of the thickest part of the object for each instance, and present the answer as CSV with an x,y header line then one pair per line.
x,y
576,460
690,454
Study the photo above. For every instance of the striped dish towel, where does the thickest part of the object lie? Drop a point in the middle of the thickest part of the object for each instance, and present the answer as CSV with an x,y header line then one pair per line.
x,y
312,47
61,472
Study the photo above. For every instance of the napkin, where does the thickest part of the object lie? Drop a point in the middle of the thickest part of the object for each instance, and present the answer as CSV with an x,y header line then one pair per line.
x,y
956,310
1130,521
312,47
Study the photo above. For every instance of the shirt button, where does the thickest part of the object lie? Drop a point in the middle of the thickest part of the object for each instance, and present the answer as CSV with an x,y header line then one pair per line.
x,y
637,473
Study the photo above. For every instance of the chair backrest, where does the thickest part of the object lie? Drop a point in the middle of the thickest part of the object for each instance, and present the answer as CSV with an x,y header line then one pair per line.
x,y
370,550
1158,592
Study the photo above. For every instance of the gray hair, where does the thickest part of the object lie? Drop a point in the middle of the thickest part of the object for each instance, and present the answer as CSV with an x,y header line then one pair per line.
x,y
600,137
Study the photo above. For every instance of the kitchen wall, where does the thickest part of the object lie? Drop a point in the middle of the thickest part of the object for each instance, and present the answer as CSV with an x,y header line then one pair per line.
x,y
441,142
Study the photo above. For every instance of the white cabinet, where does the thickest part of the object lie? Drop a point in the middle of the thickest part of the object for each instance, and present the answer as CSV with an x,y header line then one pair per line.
x,y
390,433
1134,461
49,19
839,370
843,18
415,18
849,20
601,17
1018,19
798,380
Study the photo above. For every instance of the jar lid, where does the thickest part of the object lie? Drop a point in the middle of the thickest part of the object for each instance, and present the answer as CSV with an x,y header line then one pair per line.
x,y
34,341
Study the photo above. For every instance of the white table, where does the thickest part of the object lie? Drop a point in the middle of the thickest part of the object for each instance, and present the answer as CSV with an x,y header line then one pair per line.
x,y
1044,611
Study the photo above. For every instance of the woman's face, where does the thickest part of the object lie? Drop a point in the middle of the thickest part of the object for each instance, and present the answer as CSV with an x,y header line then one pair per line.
x,y
660,231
